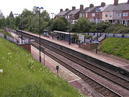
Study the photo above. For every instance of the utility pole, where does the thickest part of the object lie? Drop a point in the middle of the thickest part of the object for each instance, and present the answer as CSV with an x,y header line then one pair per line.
x,y
39,9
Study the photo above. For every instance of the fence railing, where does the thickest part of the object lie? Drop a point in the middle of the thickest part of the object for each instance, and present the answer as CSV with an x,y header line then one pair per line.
x,y
14,40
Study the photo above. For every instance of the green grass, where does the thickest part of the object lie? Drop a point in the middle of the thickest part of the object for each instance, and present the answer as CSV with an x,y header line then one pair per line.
x,y
116,46
25,77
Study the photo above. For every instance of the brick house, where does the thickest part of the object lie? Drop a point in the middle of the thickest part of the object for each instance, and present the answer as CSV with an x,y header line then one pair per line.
x,y
73,15
125,14
94,14
63,13
116,13
82,12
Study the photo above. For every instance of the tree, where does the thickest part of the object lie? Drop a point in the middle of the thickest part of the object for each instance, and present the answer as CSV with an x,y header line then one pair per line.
x,y
101,27
2,23
81,26
35,19
11,15
1,15
60,24
117,28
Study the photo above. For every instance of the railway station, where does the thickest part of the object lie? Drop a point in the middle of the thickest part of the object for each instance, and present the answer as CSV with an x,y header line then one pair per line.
x,y
56,48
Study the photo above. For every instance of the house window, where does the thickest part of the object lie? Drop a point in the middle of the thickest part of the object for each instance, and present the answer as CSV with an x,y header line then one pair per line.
x,y
81,15
68,17
125,14
119,14
106,15
93,14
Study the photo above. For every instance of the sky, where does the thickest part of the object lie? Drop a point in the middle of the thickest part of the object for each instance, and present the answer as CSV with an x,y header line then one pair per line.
x,y
52,6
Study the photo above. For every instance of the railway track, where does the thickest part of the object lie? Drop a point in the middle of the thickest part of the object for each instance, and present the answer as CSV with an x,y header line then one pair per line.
x,y
115,78
100,88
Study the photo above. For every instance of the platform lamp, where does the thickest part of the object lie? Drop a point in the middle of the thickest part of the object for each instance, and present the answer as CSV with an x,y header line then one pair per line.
x,y
39,9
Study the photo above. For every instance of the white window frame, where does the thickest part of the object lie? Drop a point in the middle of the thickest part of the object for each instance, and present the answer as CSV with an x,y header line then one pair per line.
x,y
125,14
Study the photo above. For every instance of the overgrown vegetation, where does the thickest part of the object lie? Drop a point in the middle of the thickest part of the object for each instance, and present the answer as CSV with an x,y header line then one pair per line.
x,y
83,25
116,46
60,24
24,77
4,32
29,20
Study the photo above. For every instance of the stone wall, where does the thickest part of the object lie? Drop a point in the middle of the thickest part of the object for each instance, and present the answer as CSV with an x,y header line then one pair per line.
x,y
26,46
88,46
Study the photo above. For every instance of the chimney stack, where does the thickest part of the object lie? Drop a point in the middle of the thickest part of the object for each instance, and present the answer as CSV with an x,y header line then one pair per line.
x,y
61,10
66,9
73,8
116,2
103,4
128,2
81,7
91,5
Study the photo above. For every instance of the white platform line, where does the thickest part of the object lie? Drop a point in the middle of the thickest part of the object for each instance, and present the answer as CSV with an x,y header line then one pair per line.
x,y
74,80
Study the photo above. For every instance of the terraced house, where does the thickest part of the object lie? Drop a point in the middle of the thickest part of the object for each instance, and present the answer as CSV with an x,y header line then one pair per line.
x,y
72,15
117,13
94,14
63,13
114,13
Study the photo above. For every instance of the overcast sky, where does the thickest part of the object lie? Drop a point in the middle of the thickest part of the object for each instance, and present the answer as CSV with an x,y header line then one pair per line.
x,y
52,6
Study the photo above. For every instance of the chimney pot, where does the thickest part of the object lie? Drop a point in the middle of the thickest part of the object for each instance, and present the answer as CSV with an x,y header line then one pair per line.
x,y
73,8
91,5
116,2
103,4
66,9
61,10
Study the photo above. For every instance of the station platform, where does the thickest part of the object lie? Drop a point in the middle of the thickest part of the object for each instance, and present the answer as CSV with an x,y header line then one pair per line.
x,y
116,61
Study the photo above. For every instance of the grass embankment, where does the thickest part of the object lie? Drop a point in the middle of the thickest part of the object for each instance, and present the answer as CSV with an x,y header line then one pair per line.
x,y
25,77
116,46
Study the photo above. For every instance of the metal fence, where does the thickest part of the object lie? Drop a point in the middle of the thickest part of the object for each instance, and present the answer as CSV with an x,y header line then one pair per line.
x,y
14,40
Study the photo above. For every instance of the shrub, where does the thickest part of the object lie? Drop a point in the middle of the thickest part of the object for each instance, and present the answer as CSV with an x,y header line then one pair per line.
x,y
101,27
123,30
117,28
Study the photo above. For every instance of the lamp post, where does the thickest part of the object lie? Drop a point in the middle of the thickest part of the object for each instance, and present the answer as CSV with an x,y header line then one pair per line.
x,y
16,14
52,15
69,33
40,59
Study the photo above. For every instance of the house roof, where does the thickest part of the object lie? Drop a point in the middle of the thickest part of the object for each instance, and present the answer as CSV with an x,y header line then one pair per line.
x,y
63,13
90,9
119,7
86,9
73,12
96,9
